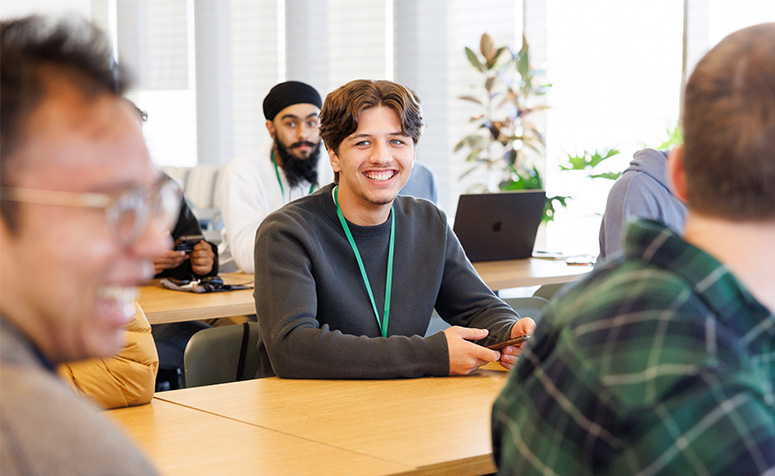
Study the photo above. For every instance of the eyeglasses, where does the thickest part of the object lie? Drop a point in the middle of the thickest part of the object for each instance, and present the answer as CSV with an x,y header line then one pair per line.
x,y
127,213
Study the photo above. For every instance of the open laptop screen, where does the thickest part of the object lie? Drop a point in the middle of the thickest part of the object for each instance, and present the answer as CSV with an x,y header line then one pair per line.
x,y
499,226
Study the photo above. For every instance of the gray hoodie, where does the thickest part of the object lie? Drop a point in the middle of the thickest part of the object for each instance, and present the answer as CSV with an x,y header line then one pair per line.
x,y
642,191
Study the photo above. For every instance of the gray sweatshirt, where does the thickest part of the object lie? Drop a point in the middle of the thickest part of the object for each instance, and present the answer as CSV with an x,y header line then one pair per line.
x,y
314,313
46,428
642,191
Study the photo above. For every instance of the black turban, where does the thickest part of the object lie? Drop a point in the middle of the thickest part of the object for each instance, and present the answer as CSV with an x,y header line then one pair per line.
x,y
287,94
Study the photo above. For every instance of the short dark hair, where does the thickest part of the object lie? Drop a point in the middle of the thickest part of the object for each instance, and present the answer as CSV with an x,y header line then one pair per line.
x,y
35,50
343,106
729,128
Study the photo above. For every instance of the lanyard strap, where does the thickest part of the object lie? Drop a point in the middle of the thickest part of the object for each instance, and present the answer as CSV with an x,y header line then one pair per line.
x,y
388,280
282,189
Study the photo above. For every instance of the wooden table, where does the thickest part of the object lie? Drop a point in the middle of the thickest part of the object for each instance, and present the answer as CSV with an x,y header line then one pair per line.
x,y
186,441
432,425
517,273
162,305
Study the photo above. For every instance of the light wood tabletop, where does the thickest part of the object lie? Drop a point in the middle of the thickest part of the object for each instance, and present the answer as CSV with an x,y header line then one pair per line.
x,y
437,425
517,273
162,305
186,441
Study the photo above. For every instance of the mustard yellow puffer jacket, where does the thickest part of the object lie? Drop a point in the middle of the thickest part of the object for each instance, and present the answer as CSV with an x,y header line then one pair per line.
x,y
128,378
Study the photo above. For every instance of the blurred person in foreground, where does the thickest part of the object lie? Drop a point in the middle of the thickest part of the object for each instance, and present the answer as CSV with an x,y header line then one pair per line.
x,y
660,362
83,213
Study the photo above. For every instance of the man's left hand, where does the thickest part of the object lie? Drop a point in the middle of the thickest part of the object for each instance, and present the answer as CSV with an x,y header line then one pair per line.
x,y
510,354
202,258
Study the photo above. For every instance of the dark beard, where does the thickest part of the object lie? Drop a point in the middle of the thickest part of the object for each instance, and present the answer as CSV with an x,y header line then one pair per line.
x,y
298,170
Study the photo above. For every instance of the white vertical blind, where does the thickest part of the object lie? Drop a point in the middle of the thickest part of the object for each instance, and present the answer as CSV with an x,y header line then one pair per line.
x,y
255,67
238,61
357,41
307,43
421,64
153,41
213,77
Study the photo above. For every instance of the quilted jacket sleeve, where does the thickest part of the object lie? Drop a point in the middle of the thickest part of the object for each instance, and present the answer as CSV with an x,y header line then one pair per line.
x,y
128,378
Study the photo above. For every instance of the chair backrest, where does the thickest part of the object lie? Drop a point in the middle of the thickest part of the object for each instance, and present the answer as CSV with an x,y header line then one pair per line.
x,y
528,306
422,184
203,184
213,355
547,291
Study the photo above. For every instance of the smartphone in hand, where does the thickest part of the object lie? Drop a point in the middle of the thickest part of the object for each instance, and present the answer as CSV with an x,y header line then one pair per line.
x,y
514,341
186,243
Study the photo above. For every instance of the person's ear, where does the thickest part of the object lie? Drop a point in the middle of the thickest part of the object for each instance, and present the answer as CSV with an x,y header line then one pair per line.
x,y
271,129
334,159
676,172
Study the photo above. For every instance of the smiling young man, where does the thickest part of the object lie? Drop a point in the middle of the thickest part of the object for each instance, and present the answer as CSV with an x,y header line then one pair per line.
x,y
254,185
82,215
348,277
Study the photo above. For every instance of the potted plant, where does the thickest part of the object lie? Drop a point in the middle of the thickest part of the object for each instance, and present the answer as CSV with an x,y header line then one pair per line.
x,y
507,142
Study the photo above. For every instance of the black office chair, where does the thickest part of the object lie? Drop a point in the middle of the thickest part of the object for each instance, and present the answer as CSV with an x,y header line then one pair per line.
x,y
222,354
547,291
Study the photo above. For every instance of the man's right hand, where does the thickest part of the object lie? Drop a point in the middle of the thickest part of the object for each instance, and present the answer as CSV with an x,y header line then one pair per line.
x,y
170,259
465,356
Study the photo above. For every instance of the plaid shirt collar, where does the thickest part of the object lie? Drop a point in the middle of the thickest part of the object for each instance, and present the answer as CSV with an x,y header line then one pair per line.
x,y
726,297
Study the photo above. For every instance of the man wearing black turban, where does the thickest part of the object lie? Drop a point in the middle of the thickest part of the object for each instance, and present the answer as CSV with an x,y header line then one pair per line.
x,y
256,185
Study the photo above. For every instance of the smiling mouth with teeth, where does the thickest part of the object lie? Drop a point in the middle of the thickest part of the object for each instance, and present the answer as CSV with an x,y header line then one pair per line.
x,y
124,297
381,176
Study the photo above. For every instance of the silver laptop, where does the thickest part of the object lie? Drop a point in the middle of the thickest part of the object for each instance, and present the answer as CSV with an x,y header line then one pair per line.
x,y
499,226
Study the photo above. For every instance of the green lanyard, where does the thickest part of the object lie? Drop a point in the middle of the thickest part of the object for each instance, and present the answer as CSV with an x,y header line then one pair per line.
x,y
389,280
282,189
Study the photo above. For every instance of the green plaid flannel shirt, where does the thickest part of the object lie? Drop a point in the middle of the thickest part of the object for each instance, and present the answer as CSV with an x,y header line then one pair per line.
x,y
659,362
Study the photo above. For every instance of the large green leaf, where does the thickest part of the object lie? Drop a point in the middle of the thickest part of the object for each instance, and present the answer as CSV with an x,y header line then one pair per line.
x,y
674,138
588,160
550,208
523,62
474,142
510,156
607,175
472,58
